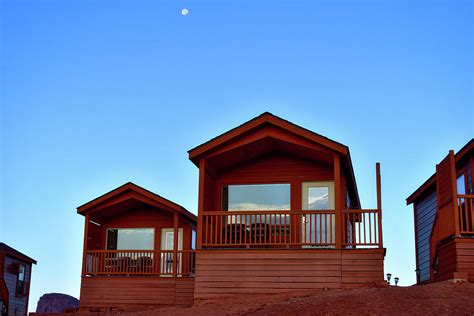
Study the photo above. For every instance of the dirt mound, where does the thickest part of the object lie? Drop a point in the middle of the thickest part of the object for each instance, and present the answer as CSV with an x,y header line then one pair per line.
x,y
445,298
441,299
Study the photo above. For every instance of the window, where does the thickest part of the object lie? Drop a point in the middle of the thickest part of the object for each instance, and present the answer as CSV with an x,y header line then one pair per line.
x,y
461,184
256,197
193,239
130,239
20,281
318,196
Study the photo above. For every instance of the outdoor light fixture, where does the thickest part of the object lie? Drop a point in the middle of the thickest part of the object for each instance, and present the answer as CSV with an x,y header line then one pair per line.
x,y
396,280
389,276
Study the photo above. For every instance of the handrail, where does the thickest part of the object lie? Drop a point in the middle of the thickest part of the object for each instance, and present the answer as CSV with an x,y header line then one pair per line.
x,y
465,211
139,262
290,228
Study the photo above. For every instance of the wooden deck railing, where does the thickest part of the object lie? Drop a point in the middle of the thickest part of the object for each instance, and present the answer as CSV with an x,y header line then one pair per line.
x,y
361,228
139,262
290,228
466,213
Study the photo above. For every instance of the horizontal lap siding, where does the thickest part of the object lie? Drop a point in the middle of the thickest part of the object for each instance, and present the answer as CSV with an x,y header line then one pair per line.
x,y
135,292
17,304
426,209
465,257
223,273
361,269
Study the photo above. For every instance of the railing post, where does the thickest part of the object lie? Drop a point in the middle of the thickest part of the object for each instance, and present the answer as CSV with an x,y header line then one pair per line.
x,y
175,244
379,203
337,201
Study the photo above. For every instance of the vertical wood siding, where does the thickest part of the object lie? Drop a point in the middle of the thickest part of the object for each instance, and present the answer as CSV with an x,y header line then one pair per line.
x,y
425,209
16,304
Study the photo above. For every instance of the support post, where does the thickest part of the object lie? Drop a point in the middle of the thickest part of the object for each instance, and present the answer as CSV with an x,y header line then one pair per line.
x,y
202,174
379,203
86,239
454,188
337,201
175,243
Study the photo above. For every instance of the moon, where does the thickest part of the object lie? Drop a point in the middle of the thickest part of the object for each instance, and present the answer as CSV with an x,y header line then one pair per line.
x,y
185,12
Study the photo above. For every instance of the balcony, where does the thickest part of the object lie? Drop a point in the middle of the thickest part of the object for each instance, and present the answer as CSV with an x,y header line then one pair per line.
x,y
349,229
140,263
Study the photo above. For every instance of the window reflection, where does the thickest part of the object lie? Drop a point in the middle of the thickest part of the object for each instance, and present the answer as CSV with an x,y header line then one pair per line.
x,y
130,239
318,198
256,197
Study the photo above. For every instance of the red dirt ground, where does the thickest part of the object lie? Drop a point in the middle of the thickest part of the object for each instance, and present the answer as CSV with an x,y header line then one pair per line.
x,y
446,298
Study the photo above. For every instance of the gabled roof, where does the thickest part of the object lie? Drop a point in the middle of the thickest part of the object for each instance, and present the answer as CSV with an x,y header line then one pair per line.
x,y
262,119
431,182
131,187
15,253
269,119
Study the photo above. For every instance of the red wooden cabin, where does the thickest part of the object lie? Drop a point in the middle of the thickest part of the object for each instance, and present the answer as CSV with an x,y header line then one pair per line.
x,y
444,220
279,211
138,251
15,277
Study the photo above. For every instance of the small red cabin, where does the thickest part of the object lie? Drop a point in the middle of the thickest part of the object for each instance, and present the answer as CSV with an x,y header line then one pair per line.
x,y
138,251
279,211
444,220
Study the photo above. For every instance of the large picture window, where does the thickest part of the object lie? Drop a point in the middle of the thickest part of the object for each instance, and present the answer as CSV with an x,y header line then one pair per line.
x,y
130,239
256,197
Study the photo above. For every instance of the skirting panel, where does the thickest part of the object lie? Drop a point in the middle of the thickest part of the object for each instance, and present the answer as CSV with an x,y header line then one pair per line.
x,y
247,271
135,292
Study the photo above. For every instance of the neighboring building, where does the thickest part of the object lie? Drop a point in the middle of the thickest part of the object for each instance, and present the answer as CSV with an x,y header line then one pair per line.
x,y
138,251
279,211
15,276
444,220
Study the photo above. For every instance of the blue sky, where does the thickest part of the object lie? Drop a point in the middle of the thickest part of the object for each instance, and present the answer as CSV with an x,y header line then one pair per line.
x,y
98,93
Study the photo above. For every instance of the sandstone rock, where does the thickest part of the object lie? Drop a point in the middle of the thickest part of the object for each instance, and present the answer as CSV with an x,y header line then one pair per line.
x,y
56,303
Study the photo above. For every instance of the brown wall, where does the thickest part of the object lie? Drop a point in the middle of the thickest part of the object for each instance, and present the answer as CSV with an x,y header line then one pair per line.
x,y
275,168
227,272
145,217
135,292
456,260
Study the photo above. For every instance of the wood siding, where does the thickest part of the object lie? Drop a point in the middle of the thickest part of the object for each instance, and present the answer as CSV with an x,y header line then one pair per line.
x,y
278,167
17,305
456,260
134,293
228,272
145,217
425,213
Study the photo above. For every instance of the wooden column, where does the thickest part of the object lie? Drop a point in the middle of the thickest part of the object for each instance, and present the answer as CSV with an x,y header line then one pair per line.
x,y
379,202
175,243
337,201
454,188
202,174
86,239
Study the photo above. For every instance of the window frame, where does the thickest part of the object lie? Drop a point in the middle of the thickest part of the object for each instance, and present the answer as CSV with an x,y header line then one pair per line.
x,y
119,228
225,193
